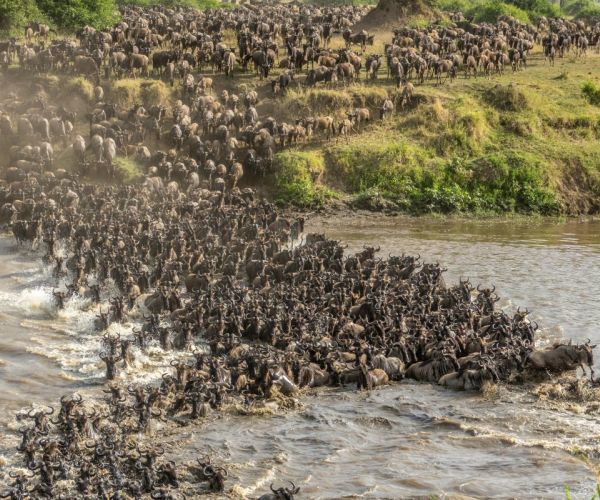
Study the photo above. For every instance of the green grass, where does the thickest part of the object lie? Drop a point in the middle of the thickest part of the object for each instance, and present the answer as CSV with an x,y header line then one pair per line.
x,y
415,180
297,178
524,143
128,170
591,93
490,10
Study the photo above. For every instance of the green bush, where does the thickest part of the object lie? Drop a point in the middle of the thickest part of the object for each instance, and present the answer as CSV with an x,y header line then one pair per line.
x,y
582,9
128,171
489,11
297,175
342,2
591,93
15,14
512,182
74,14
591,12
537,8
455,5
412,180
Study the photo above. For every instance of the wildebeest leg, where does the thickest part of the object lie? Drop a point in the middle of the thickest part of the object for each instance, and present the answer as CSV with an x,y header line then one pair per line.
x,y
591,371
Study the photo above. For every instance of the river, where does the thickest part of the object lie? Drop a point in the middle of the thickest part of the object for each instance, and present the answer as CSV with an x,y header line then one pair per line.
x,y
406,440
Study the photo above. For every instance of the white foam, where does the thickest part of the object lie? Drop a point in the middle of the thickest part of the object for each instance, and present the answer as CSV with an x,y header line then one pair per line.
x,y
35,300
265,479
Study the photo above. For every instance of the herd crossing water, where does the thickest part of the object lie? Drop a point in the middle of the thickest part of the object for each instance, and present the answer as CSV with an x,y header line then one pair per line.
x,y
407,439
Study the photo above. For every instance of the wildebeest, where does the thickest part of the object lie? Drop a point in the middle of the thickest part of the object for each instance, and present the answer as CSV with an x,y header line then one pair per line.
x,y
563,357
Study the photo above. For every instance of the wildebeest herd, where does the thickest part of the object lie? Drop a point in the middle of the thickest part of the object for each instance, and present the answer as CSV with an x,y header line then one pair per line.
x,y
221,278
221,130
251,307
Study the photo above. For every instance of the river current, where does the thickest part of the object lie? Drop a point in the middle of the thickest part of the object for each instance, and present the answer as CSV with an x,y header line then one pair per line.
x,y
403,441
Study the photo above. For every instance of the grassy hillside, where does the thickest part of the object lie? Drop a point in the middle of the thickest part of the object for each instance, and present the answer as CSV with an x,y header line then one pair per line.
x,y
525,142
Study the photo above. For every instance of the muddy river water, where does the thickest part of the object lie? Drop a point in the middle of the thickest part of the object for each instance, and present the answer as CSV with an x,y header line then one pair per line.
x,y
404,441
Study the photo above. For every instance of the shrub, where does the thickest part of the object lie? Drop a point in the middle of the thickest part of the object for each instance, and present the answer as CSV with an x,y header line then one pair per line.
x,y
379,172
591,12
455,5
74,14
297,175
537,8
582,9
342,2
591,93
490,10
514,182
15,14
125,93
128,92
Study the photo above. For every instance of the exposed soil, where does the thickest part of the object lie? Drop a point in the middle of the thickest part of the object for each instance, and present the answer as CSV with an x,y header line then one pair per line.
x,y
391,13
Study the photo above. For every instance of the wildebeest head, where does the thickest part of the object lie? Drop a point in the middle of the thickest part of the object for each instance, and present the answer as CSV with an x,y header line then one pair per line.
x,y
586,353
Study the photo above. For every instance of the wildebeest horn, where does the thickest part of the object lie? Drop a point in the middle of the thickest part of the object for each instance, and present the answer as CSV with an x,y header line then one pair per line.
x,y
208,469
